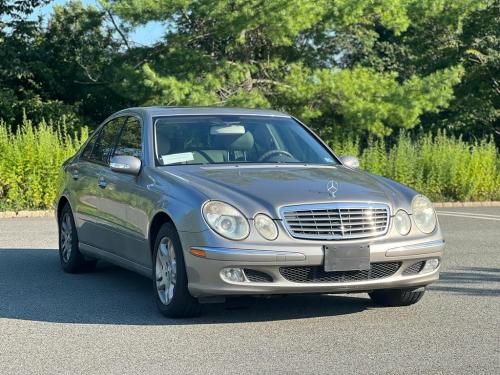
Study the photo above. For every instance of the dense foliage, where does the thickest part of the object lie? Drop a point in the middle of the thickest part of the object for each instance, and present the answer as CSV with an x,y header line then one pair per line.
x,y
442,167
366,66
373,76
30,166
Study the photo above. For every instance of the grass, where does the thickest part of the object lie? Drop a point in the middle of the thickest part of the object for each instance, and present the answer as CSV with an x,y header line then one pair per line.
x,y
30,163
442,167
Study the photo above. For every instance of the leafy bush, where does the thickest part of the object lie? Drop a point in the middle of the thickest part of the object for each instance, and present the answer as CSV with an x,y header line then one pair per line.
x,y
442,167
30,163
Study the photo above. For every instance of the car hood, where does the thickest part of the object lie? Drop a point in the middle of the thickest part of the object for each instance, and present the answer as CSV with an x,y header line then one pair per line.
x,y
256,189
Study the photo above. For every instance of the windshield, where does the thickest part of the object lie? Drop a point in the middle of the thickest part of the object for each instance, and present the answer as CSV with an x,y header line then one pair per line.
x,y
228,139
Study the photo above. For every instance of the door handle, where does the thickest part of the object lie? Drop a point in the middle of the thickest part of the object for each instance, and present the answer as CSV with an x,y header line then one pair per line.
x,y
75,174
102,182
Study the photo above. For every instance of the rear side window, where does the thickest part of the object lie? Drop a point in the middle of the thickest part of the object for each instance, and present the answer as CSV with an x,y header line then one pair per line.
x,y
87,151
130,139
106,141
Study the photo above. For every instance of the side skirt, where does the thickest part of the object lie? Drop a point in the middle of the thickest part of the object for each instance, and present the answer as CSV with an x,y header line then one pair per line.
x,y
115,259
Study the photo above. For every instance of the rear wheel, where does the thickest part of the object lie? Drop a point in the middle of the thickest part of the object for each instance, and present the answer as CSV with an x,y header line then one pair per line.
x,y
170,282
396,297
72,260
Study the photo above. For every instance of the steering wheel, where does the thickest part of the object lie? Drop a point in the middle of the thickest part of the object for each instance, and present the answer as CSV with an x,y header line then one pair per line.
x,y
274,152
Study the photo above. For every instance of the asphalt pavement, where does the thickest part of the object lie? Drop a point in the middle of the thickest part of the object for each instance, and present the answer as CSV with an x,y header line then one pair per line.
x,y
106,322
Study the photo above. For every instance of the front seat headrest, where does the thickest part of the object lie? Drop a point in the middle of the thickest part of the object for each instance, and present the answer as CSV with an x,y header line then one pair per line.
x,y
243,142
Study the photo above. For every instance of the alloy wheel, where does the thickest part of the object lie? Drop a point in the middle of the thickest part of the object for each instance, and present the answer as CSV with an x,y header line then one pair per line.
x,y
165,270
66,237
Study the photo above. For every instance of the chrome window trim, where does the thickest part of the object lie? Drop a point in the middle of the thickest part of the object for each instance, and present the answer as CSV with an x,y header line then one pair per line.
x,y
335,205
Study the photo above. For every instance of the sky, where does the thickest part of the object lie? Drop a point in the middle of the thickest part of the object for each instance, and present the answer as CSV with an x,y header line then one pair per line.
x,y
147,35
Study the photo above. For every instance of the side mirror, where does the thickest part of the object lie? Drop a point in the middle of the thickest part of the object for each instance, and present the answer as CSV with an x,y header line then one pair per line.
x,y
125,164
350,161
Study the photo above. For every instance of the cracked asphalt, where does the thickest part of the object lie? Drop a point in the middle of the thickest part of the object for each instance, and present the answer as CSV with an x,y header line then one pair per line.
x,y
106,322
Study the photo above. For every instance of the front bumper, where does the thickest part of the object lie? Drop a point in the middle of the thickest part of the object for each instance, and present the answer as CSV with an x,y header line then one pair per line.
x,y
204,274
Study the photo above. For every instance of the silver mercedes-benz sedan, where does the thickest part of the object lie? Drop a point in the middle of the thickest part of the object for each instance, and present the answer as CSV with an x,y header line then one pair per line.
x,y
216,202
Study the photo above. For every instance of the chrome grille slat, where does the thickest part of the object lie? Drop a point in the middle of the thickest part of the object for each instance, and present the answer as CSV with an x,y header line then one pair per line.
x,y
338,230
326,218
314,225
337,214
336,221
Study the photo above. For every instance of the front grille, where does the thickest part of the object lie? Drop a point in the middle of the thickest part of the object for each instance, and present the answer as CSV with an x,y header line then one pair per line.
x,y
336,221
257,276
414,268
317,274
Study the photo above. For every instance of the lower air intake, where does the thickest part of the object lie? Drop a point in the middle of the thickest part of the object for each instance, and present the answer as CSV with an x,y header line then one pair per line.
x,y
317,274
257,276
414,268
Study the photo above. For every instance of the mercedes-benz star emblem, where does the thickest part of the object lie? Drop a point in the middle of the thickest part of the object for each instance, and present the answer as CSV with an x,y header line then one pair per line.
x,y
332,188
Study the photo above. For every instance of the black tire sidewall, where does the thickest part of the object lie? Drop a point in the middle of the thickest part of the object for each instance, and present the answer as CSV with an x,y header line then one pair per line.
x,y
396,297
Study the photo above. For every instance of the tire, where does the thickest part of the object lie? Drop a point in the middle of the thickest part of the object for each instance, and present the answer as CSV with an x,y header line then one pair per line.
x,y
72,260
172,298
396,297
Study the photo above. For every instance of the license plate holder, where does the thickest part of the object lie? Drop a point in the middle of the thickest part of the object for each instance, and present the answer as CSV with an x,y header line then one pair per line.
x,y
344,257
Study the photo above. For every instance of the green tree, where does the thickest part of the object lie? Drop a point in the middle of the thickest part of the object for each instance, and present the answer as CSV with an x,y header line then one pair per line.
x,y
66,67
457,33
475,111
291,55
82,60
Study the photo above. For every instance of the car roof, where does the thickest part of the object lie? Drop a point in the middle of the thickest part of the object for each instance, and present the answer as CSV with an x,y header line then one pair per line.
x,y
174,111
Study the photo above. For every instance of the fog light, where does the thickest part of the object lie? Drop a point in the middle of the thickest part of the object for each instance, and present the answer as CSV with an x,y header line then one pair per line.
x,y
233,274
430,265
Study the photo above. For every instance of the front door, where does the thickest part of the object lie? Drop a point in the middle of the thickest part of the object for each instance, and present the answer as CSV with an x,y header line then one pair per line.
x,y
124,203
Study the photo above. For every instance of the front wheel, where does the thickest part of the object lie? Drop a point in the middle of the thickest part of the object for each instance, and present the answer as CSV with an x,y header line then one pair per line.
x,y
396,297
169,276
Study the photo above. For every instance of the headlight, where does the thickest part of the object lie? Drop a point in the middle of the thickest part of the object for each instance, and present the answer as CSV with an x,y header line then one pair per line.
x,y
423,214
266,227
226,220
402,222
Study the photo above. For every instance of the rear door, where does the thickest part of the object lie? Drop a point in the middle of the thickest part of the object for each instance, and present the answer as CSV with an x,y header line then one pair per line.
x,y
88,185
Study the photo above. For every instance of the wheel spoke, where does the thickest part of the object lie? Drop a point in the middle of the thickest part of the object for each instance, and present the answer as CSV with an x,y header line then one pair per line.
x,y
167,296
174,271
64,227
170,292
164,250
171,251
160,284
67,220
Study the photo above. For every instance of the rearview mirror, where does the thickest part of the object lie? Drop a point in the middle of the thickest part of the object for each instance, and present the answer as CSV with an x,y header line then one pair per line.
x,y
350,161
125,164
229,129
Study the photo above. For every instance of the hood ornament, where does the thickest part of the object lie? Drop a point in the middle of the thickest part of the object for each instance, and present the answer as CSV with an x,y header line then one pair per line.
x,y
332,187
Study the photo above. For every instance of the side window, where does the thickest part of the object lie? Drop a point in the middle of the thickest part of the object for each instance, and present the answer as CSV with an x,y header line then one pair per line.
x,y
106,141
88,148
130,139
